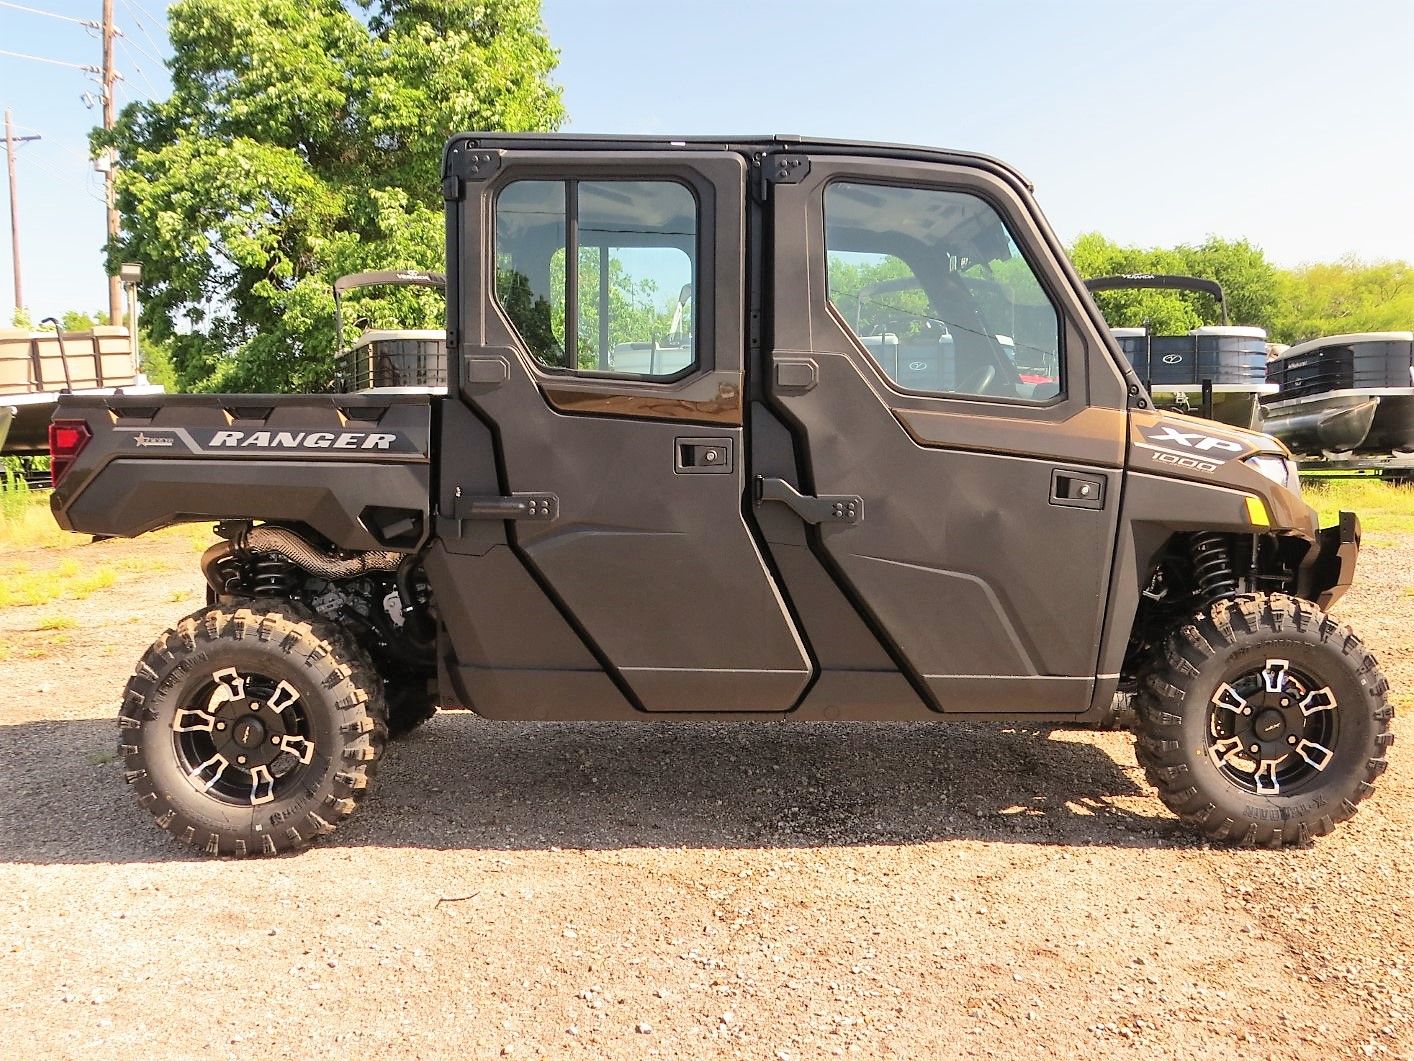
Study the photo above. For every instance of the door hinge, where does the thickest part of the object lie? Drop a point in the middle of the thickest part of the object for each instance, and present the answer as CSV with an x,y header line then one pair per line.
x,y
827,508
540,507
778,168
471,163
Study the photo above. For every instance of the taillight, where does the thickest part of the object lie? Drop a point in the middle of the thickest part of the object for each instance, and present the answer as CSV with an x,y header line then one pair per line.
x,y
67,438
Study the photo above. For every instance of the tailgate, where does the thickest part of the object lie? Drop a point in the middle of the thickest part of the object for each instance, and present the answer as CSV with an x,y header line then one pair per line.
x,y
355,467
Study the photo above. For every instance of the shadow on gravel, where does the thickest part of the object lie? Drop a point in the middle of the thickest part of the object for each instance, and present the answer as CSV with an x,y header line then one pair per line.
x,y
464,783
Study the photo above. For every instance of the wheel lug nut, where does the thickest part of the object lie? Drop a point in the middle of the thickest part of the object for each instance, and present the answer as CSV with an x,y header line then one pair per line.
x,y
1291,739
240,759
220,725
1255,749
1246,710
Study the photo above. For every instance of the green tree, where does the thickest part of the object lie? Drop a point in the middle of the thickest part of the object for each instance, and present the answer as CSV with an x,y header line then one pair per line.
x,y
1345,296
302,142
1249,280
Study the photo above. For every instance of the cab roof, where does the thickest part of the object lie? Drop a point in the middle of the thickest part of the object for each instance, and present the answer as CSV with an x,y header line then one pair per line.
x,y
742,144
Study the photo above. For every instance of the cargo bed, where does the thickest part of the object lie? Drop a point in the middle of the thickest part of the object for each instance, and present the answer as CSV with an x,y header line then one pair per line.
x,y
354,467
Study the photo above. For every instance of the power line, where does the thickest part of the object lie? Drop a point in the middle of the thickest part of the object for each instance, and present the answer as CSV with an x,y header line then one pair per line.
x,y
141,72
134,9
139,50
52,62
50,14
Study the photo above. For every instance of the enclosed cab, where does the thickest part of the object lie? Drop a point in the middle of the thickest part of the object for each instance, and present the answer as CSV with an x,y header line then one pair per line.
x,y
760,428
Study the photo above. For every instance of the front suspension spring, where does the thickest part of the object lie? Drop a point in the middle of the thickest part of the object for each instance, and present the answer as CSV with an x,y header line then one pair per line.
x,y
1212,568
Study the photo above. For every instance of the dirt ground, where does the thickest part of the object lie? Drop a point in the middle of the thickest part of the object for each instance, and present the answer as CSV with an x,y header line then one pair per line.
x,y
755,891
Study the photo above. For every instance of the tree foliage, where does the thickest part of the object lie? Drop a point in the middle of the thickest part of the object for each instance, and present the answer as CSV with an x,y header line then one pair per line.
x,y
1291,304
302,142
1250,281
1345,296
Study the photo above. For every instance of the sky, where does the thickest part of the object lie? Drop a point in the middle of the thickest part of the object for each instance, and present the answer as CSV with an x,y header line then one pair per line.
x,y
1289,123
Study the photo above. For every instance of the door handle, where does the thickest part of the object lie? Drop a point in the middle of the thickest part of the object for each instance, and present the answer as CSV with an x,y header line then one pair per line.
x,y
827,508
1076,490
698,456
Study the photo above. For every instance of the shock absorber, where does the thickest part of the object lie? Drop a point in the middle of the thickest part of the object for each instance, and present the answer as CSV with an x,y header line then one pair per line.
x,y
1212,568
271,575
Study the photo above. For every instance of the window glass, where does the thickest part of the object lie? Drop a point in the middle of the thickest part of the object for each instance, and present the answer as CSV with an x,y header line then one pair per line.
x,y
637,250
937,291
633,245
530,239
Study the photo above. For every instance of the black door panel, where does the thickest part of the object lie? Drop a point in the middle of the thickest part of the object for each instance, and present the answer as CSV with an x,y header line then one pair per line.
x,y
991,595
649,554
947,556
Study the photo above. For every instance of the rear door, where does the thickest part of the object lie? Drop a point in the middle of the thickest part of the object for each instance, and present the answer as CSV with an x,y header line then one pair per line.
x,y
951,415
602,342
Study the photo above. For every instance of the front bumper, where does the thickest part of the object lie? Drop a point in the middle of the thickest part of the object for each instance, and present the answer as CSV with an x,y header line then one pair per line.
x,y
1327,578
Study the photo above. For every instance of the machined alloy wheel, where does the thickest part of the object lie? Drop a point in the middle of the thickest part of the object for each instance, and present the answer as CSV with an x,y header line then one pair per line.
x,y
250,730
1265,722
1272,729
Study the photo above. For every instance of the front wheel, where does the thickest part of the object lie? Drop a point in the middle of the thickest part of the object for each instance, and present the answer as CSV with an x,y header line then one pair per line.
x,y
251,730
1265,722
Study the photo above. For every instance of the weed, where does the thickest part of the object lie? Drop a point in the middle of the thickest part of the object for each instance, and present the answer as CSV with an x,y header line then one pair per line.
x,y
1385,509
26,588
57,622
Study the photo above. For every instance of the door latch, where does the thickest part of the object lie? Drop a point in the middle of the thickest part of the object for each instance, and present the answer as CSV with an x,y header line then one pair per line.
x,y
697,456
1075,490
827,508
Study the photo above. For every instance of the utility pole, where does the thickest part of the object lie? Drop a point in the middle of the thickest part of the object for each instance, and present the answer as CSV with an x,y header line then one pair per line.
x,y
11,142
110,76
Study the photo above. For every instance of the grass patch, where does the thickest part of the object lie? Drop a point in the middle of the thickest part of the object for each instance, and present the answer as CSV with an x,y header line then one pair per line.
x,y
27,523
1385,509
57,622
25,588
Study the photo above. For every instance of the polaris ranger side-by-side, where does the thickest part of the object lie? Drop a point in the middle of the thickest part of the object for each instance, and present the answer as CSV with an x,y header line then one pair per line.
x,y
760,428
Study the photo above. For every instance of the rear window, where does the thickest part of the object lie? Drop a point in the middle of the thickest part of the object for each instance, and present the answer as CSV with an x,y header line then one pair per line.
x,y
600,277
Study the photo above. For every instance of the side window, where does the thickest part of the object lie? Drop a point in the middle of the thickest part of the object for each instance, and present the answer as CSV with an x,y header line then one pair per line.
x,y
530,240
628,252
937,291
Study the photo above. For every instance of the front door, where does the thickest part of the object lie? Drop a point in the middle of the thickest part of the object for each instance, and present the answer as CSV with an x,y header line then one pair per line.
x,y
924,356
602,342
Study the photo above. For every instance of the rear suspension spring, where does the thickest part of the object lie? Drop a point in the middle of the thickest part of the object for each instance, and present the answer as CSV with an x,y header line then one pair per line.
x,y
271,575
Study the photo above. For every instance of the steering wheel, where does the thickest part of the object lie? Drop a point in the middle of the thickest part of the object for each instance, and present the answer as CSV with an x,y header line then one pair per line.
x,y
978,381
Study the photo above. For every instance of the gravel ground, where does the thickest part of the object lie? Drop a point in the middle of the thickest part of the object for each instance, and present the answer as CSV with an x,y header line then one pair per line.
x,y
758,891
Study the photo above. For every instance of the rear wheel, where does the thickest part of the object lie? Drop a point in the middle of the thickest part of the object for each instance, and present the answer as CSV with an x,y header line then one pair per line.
x,y
1265,722
250,730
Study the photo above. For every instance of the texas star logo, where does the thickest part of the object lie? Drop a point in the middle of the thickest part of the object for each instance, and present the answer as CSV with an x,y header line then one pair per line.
x,y
159,441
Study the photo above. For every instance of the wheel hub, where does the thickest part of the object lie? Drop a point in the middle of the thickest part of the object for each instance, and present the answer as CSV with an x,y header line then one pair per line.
x,y
1272,728
1269,725
248,732
244,738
